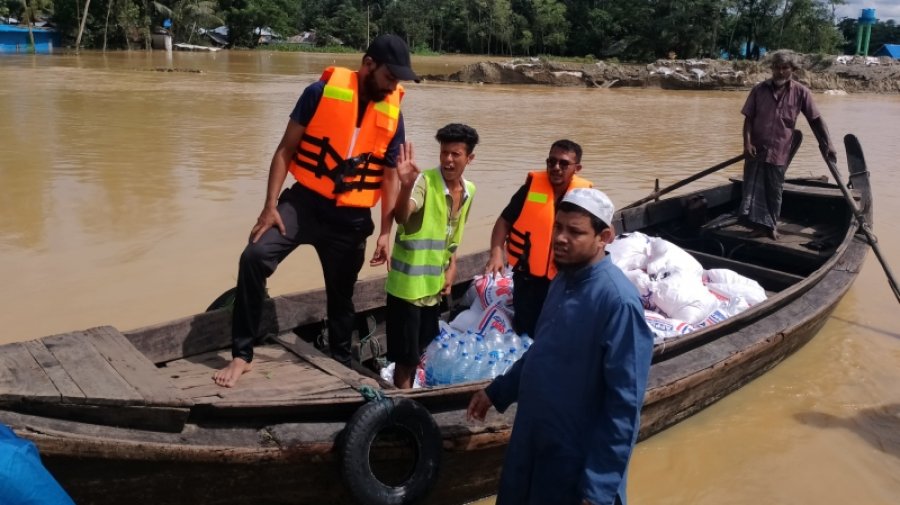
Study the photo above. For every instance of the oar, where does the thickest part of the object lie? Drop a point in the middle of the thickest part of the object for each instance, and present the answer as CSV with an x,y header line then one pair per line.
x,y
863,225
796,140
656,194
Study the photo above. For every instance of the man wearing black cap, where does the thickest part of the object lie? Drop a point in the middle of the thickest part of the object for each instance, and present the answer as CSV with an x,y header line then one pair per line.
x,y
340,144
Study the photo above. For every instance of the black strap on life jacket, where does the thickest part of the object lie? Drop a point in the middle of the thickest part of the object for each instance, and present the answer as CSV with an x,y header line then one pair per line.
x,y
519,241
324,151
345,171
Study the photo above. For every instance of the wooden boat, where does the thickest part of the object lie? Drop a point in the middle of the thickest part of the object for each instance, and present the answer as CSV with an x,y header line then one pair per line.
x,y
135,415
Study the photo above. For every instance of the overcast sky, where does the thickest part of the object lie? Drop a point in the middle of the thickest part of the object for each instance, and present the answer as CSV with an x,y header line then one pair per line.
x,y
884,9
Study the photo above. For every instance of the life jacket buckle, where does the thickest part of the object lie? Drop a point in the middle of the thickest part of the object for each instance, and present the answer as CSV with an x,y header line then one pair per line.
x,y
348,168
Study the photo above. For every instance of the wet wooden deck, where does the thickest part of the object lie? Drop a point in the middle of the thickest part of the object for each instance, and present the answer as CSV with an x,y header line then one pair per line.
x,y
98,376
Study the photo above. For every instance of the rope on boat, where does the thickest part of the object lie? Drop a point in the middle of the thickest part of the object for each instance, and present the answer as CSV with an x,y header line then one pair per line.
x,y
371,394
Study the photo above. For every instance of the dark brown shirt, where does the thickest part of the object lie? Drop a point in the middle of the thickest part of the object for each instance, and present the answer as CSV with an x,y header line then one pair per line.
x,y
773,118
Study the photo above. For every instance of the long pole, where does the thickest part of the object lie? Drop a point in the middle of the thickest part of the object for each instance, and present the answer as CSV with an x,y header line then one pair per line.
x,y
796,140
684,182
864,226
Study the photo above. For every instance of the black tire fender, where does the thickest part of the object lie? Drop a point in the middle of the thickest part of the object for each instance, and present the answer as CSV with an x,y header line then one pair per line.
x,y
360,432
224,300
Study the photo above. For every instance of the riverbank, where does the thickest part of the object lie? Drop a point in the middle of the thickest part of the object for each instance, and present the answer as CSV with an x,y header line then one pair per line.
x,y
836,74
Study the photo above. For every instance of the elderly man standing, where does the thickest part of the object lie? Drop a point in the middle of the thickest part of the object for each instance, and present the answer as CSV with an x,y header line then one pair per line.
x,y
580,387
770,115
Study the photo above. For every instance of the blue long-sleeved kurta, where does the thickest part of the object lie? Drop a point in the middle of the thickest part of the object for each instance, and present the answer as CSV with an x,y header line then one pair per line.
x,y
579,389
23,479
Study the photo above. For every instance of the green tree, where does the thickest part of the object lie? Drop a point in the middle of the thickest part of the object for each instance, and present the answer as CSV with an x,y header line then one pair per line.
x,y
550,26
188,15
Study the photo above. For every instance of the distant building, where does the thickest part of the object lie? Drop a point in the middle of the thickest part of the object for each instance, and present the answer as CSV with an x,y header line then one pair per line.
x,y
891,50
14,39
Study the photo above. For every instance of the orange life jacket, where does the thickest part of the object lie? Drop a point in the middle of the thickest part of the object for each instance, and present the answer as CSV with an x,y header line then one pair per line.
x,y
328,160
529,245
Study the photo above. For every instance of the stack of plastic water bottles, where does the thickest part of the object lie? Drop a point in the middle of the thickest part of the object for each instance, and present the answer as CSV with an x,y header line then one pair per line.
x,y
454,357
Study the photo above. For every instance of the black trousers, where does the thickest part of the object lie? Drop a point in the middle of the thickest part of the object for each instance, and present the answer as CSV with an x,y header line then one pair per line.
x,y
529,293
341,246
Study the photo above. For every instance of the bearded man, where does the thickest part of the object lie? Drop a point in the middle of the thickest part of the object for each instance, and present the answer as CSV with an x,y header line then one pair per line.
x,y
340,144
770,116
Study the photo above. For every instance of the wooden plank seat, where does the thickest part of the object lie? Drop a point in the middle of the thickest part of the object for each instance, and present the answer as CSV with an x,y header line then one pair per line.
x,y
811,188
94,376
798,241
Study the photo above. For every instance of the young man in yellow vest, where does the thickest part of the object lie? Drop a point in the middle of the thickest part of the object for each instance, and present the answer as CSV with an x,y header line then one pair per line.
x,y
525,227
431,214
340,145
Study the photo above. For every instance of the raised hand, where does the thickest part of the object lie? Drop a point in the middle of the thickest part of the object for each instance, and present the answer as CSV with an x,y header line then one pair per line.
x,y
407,170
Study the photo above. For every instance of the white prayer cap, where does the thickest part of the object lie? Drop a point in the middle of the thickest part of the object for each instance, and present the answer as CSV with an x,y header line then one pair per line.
x,y
594,201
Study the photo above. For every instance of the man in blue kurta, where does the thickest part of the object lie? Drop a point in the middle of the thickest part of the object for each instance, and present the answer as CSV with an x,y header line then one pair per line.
x,y
581,385
23,479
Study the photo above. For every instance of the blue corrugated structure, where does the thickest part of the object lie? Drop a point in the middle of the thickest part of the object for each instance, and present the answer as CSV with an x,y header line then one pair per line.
x,y
892,50
14,39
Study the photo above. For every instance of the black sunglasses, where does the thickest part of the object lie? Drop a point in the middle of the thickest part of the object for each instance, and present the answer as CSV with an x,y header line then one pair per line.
x,y
563,164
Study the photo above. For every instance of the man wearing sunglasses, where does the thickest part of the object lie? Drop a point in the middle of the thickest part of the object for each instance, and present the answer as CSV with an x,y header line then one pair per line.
x,y
525,227
340,144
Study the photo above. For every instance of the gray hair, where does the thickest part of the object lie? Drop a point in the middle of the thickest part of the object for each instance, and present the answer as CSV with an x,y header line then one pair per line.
x,y
784,57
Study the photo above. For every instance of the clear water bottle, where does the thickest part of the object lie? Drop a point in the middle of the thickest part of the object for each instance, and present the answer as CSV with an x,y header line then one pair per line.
x,y
526,342
445,329
512,340
495,364
460,367
434,347
509,359
479,346
475,371
494,339
438,368
487,369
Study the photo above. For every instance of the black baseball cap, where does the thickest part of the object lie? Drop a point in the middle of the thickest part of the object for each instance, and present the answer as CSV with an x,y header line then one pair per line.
x,y
391,50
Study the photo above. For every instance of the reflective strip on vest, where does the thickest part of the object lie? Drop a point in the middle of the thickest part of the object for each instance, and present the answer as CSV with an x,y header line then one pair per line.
x,y
388,110
422,244
537,197
415,270
337,93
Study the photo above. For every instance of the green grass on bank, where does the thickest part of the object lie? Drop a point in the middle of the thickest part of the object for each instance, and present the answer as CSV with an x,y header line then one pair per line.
x,y
307,48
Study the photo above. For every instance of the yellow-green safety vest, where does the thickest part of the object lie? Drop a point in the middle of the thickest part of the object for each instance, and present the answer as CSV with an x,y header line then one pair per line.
x,y
419,259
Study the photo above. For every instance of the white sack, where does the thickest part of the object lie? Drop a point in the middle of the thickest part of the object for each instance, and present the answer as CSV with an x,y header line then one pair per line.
x,y
629,251
643,284
490,289
729,283
683,297
667,259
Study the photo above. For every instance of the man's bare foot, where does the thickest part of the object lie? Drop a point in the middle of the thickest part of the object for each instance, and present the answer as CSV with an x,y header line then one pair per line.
x,y
228,376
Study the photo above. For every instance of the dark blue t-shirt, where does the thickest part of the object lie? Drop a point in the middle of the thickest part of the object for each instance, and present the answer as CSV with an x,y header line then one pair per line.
x,y
309,101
